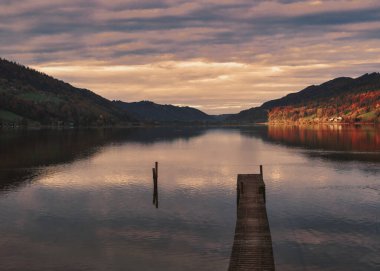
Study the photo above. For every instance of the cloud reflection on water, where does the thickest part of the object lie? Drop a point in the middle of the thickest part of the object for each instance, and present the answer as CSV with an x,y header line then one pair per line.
x,y
91,208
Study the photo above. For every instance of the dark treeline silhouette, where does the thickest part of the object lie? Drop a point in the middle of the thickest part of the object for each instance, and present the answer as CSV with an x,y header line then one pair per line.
x,y
149,111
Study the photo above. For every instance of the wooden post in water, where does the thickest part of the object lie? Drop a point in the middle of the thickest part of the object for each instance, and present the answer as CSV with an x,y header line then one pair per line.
x,y
155,184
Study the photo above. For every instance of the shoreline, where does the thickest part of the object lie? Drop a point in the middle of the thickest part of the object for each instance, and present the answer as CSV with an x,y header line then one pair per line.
x,y
204,125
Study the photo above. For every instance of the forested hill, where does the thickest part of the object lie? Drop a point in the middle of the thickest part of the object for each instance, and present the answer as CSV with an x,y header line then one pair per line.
x,y
339,100
329,89
149,111
28,96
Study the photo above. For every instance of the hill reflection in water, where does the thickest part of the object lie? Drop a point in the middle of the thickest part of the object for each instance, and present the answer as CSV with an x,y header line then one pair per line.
x,y
82,199
25,154
331,142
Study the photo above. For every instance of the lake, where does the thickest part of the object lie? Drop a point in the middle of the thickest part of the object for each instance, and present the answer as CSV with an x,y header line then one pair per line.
x,y
82,199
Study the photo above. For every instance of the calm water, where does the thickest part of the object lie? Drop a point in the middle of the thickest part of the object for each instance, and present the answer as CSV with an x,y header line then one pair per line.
x,y
82,200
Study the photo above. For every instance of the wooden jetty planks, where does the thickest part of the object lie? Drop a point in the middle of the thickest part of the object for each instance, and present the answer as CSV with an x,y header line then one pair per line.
x,y
252,248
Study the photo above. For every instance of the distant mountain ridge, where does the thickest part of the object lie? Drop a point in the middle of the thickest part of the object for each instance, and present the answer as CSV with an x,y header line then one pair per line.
x,y
332,100
335,87
31,97
150,111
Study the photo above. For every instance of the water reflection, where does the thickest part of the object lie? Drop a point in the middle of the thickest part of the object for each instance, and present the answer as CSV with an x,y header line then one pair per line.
x,y
332,142
359,138
81,200
25,154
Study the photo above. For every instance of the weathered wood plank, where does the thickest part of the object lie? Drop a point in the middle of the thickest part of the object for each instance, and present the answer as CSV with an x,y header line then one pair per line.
x,y
252,248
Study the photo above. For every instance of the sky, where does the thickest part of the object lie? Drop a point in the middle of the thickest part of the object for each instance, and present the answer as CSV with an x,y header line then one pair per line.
x,y
216,55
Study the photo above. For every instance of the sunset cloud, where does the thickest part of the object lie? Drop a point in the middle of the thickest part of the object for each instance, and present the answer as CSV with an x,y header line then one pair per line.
x,y
222,56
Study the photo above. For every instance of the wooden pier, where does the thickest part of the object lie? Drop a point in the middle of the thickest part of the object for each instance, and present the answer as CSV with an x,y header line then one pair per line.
x,y
252,248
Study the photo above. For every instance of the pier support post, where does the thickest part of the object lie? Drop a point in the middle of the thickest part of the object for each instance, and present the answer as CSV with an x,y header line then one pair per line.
x,y
155,184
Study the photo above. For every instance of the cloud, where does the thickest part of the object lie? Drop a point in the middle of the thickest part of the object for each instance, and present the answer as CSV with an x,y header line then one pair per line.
x,y
310,41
